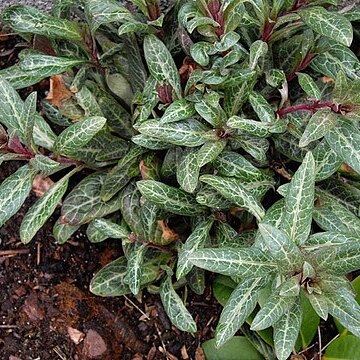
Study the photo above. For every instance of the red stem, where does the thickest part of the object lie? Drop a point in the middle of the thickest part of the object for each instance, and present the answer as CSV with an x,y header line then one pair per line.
x,y
309,107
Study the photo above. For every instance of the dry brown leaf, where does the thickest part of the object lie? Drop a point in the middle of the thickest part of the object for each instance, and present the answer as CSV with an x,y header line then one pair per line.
x,y
33,309
199,353
40,185
168,234
184,354
75,335
58,91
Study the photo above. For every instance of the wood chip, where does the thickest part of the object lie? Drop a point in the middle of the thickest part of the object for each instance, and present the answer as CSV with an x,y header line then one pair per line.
x,y
94,345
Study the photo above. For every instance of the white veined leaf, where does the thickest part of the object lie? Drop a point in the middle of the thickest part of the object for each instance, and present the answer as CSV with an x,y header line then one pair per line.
x,y
14,190
78,135
175,308
286,331
195,241
237,309
43,208
299,201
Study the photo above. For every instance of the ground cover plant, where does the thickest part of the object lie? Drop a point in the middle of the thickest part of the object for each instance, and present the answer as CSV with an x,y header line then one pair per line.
x,y
205,136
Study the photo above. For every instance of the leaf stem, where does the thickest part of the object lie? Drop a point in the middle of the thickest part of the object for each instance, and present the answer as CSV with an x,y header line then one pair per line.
x,y
309,107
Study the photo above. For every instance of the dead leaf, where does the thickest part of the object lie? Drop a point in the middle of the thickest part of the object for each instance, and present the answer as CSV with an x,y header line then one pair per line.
x,y
11,357
40,185
199,353
58,91
168,235
184,354
33,309
94,345
75,335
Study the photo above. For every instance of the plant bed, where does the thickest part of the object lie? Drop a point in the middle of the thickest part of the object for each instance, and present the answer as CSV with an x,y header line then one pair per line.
x,y
208,151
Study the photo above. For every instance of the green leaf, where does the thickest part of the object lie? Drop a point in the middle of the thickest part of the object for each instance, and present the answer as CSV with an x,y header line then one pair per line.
x,y
109,281
238,347
331,215
309,324
45,165
94,234
330,24
239,306
272,310
343,348
319,304
319,124
326,161
281,248
258,49
211,111
291,287
175,308
78,135
223,286
29,119
161,64
195,241
210,151
286,331
188,170
256,128
337,57
209,197
102,12
189,132
344,139
178,110
309,86
337,260
262,108
14,190
242,262
299,202
43,208
234,191
110,229
130,207
119,175
232,164
135,267
196,280
200,52
84,204
11,109
27,19
169,198
63,232
345,309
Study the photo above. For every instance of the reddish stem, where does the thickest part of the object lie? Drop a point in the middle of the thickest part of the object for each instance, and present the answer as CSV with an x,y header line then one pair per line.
x,y
268,29
309,107
303,65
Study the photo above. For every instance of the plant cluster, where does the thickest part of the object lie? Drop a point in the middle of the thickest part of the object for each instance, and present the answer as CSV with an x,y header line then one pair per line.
x,y
178,125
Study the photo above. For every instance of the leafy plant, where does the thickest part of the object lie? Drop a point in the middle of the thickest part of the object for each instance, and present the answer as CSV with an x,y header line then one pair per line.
x,y
177,125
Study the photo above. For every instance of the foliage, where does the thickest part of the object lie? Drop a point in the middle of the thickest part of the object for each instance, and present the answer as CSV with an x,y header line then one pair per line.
x,y
177,125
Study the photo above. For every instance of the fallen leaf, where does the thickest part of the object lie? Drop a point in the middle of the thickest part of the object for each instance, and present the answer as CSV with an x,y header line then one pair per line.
x,y
75,335
168,234
40,185
58,91
33,309
11,357
94,345
184,354
199,354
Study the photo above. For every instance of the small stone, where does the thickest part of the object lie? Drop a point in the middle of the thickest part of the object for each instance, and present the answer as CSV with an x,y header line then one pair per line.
x,y
94,345
75,335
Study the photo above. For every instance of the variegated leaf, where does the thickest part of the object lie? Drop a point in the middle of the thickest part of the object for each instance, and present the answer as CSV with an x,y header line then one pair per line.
x,y
175,308
237,309
243,262
286,331
188,170
299,202
169,198
195,241
233,190
14,190
135,267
